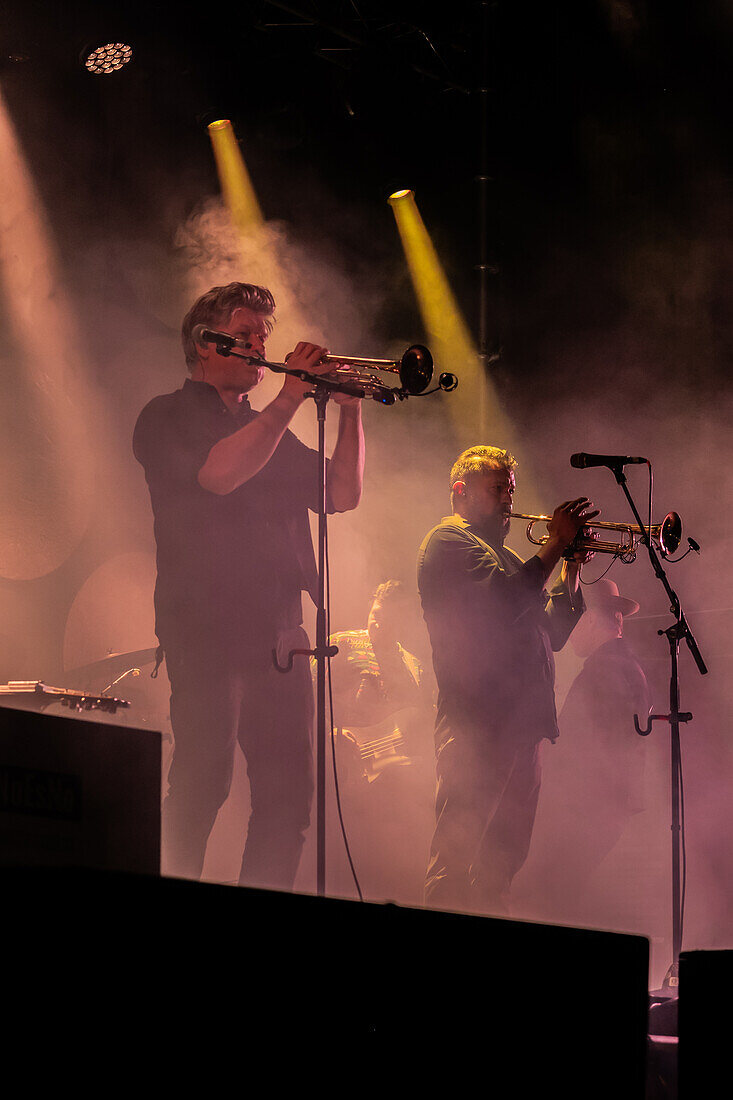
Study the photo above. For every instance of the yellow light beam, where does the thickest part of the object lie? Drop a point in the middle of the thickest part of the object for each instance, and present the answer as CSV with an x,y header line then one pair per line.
x,y
260,253
474,406
50,420
236,184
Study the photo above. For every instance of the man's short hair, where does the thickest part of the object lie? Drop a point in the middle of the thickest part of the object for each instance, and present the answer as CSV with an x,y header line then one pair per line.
x,y
390,590
218,304
477,460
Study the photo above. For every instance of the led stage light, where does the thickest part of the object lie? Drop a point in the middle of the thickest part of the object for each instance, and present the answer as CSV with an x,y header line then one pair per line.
x,y
109,58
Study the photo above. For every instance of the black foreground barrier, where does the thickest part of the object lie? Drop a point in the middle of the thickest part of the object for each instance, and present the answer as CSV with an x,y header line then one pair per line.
x,y
75,792
115,980
705,1021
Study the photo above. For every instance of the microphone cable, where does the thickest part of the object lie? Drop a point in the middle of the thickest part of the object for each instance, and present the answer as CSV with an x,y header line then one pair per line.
x,y
342,824
588,584
683,847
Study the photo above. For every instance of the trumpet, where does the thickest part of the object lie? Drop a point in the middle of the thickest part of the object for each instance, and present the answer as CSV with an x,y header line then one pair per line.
x,y
415,369
666,536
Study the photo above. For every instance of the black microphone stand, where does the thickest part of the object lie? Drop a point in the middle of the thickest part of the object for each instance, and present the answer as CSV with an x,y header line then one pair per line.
x,y
680,629
322,389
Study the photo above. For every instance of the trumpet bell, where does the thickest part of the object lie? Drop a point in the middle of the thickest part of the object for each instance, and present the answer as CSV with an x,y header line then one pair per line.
x,y
416,369
670,534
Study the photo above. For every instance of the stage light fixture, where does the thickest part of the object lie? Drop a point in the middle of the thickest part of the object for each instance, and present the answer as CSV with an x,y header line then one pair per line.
x,y
109,58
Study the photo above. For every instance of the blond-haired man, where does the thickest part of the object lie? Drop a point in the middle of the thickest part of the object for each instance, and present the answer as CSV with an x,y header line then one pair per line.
x,y
492,629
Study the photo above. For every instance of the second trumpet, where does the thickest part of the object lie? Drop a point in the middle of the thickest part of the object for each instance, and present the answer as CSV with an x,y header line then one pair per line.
x,y
666,535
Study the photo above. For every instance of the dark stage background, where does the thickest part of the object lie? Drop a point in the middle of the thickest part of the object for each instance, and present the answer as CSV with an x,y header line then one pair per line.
x,y
604,128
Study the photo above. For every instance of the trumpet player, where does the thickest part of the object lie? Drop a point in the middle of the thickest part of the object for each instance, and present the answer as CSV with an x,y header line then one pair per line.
x,y
492,629
230,490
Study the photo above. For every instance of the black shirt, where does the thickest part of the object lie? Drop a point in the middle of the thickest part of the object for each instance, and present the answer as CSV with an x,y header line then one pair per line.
x,y
597,719
492,629
231,567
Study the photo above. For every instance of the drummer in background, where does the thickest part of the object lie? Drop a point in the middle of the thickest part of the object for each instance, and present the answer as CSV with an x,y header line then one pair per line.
x,y
384,716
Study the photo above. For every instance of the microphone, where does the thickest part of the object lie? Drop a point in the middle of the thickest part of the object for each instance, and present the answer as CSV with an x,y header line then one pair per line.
x,y
581,460
200,334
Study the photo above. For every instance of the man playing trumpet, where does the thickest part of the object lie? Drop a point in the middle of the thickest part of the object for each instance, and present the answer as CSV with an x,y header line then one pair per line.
x,y
230,490
492,628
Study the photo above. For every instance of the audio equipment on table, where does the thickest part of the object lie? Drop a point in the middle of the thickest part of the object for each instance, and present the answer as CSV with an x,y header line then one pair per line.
x,y
43,695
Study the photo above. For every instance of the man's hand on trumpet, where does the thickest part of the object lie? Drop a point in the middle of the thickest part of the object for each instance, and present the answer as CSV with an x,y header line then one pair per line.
x,y
570,521
346,468
305,357
566,522
308,357
583,554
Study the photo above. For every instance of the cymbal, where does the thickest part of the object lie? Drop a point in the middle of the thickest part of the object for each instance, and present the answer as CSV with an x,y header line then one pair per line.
x,y
114,664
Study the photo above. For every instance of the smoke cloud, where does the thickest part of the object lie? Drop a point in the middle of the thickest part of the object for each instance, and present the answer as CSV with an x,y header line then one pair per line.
x,y
627,351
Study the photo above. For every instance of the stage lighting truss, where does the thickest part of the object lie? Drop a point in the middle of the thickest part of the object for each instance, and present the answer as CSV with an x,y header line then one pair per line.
x,y
109,58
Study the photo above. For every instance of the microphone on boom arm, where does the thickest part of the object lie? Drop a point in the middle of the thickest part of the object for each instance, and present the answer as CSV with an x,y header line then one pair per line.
x,y
583,461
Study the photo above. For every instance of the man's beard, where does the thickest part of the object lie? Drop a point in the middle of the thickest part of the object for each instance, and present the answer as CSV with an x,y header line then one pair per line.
x,y
494,529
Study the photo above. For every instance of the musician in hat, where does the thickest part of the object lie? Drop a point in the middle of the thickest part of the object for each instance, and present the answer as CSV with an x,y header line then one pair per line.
x,y
607,692
597,784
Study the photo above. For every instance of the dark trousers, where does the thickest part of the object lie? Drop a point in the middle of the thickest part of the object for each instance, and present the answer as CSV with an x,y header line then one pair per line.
x,y
486,802
217,703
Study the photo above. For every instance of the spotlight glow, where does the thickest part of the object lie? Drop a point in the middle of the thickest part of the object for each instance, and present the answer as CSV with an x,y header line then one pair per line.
x,y
236,185
109,58
54,431
474,407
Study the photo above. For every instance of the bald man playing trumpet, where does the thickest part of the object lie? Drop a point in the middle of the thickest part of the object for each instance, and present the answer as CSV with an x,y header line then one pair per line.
x,y
493,629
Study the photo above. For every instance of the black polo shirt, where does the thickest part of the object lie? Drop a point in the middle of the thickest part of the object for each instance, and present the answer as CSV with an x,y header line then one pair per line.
x,y
231,568
493,629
